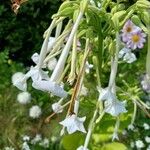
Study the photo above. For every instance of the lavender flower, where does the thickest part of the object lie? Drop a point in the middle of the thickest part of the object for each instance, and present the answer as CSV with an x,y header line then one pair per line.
x,y
128,28
136,40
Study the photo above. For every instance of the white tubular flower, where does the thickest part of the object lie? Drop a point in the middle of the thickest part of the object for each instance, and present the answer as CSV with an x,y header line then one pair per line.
x,y
37,74
147,139
139,144
44,143
73,124
51,43
35,58
115,136
115,107
62,59
105,94
129,57
36,139
123,51
146,126
52,63
57,108
26,138
35,112
131,127
84,91
49,86
82,148
25,146
24,97
19,80
88,67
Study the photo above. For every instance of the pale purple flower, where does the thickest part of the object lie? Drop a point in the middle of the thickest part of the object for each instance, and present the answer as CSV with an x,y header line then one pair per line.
x,y
73,124
128,28
136,40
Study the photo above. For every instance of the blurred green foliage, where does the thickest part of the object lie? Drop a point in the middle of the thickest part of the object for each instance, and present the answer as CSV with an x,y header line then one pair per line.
x,y
21,34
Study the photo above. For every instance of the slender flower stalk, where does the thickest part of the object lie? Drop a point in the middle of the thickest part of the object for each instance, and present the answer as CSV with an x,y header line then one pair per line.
x,y
73,61
114,62
134,113
148,51
45,44
61,62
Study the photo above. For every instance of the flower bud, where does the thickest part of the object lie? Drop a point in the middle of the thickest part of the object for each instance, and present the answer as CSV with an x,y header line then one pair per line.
x,y
145,16
136,20
143,4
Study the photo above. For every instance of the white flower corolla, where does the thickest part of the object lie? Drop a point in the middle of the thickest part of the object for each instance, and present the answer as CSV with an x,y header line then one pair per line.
x,y
146,126
147,139
115,136
52,63
35,112
51,43
115,107
73,124
9,148
25,146
132,144
35,58
139,144
131,127
129,57
44,143
148,148
19,80
82,148
37,74
146,83
26,138
36,139
88,67
105,94
24,97
123,51
84,91
57,108
49,86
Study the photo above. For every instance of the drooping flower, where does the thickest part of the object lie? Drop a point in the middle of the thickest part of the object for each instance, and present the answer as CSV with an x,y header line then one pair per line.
x,y
136,40
139,144
129,28
35,58
105,94
88,67
131,127
26,138
115,136
19,80
132,144
82,148
146,83
24,97
129,57
44,143
25,146
146,126
36,139
35,112
52,63
51,43
73,124
57,108
123,51
115,107
147,139
49,86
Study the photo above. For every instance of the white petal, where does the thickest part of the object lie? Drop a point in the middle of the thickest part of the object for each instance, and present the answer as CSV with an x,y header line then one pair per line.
x,y
35,58
57,108
49,86
129,57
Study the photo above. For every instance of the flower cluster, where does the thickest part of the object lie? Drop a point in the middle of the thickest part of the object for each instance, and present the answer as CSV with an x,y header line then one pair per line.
x,y
133,38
